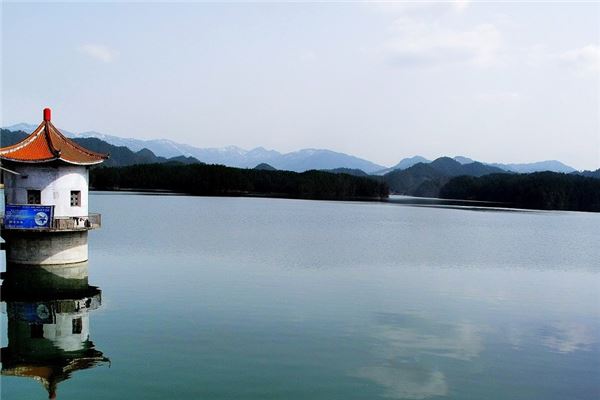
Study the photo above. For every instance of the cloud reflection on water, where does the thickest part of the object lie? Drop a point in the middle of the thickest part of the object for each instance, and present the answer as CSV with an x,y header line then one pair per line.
x,y
405,381
568,337
560,337
409,346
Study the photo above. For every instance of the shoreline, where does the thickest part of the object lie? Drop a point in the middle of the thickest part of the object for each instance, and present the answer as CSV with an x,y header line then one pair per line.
x,y
410,201
237,194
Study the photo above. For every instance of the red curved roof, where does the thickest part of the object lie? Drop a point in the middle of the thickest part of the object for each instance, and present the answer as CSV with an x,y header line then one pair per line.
x,y
45,144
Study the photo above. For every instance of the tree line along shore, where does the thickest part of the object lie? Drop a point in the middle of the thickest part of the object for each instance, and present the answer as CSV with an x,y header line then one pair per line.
x,y
219,180
541,190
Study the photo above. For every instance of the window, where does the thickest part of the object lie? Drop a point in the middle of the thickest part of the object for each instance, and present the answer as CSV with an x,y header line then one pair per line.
x,y
34,197
75,198
77,325
37,331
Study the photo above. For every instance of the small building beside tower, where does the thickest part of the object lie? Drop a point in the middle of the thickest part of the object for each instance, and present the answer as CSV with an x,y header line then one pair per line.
x,y
46,218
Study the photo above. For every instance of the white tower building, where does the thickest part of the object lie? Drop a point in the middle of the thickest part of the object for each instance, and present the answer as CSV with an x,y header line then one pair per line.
x,y
46,216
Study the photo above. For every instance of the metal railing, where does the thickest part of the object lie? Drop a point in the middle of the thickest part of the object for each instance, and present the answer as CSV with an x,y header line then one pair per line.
x,y
91,221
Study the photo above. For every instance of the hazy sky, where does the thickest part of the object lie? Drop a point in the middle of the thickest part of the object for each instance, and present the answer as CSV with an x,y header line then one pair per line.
x,y
508,82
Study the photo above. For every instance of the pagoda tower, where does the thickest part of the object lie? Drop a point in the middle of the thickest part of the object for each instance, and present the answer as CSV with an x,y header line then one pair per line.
x,y
46,219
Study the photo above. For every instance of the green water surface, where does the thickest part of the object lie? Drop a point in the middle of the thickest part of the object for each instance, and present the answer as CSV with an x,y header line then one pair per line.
x,y
240,298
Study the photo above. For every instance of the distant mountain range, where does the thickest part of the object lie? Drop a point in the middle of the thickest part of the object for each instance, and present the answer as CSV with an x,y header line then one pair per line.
x,y
415,176
233,156
549,165
404,164
163,150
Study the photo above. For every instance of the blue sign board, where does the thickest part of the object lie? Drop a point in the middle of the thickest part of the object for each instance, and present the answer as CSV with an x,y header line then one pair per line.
x,y
37,313
27,216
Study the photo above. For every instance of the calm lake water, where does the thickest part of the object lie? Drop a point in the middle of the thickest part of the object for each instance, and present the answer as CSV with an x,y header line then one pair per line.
x,y
241,298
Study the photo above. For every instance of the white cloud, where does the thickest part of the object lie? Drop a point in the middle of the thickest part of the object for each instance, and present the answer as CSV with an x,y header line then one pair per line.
x,y
405,7
308,56
584,60
460,5
419,44
99,52
498,97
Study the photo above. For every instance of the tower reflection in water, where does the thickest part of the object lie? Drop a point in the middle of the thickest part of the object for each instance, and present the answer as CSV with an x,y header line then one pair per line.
x,y
48,311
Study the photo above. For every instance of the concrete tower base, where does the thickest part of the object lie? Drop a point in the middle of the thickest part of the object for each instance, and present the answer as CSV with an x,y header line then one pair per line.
x,y
45,248
20,278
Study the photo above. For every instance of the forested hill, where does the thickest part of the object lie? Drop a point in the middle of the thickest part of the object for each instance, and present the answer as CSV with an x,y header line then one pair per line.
x,y
8,137
426,180
541,190
589,174
218,180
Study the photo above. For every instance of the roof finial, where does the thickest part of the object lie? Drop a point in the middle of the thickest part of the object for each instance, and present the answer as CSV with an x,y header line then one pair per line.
x,y
47,114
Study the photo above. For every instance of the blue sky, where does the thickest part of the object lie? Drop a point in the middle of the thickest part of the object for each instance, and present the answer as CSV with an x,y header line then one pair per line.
x,y
498,82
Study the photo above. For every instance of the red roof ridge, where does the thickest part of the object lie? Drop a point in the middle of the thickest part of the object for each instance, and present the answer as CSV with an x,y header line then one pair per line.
x,y
49,139
72,143
46,143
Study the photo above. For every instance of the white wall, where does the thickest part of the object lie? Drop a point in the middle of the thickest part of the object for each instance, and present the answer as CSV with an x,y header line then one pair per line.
x,y
61,332
59,336
55,183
